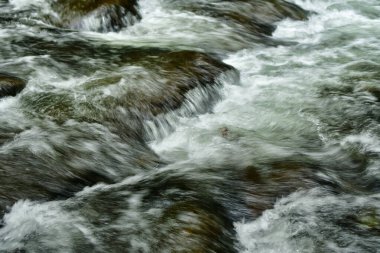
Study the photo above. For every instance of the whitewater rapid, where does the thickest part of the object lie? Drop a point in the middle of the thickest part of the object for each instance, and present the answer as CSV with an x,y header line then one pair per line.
x,y
307,100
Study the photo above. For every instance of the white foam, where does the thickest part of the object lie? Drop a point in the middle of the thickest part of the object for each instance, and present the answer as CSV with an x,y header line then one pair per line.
x,y
47,223
265,114
176,29
306,221
276,83
24,4
329,15
367,142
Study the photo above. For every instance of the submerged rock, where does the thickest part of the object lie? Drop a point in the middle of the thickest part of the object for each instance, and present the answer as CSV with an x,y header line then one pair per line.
x,y
197,227
373,90
255,16
36,181
369,218
53,168
164,213
10,85
276,179
95,15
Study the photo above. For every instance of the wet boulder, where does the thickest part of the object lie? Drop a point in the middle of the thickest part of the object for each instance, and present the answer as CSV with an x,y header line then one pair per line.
x,y
52,168
278,178
197,227
10,85
257,17
147,81
172,75
94,15
164,213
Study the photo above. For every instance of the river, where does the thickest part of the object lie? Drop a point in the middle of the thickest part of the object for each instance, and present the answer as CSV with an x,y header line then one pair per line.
x,y
183,129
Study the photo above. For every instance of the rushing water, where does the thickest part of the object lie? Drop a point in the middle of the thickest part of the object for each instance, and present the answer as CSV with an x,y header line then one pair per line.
x,y
281,155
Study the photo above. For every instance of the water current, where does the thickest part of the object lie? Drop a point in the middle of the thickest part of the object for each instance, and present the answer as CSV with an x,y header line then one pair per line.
x,y
182,128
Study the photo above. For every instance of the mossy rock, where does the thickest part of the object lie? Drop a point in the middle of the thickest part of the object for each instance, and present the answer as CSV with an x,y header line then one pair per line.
x,y
112,15
174,215
148,82
59,106
369,218
193,227
10,85
175,74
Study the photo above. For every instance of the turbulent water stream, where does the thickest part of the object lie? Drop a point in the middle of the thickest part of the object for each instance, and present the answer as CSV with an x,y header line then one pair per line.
x,y
186,128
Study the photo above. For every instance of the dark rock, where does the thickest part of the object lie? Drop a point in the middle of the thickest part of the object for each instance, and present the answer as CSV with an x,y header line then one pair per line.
x,y
224,131
35,180
10,85
174,214
252,175
197,227
276,179
106,15
373,90
68,167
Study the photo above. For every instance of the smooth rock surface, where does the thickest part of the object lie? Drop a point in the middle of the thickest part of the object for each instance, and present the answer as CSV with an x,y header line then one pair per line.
x,y
10,85
149,81
95,15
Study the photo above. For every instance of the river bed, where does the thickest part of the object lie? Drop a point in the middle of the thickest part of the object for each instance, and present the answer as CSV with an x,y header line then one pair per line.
x,y
190,131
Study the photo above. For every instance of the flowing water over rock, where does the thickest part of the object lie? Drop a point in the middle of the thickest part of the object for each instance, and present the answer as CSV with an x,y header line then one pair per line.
x,y
190,126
